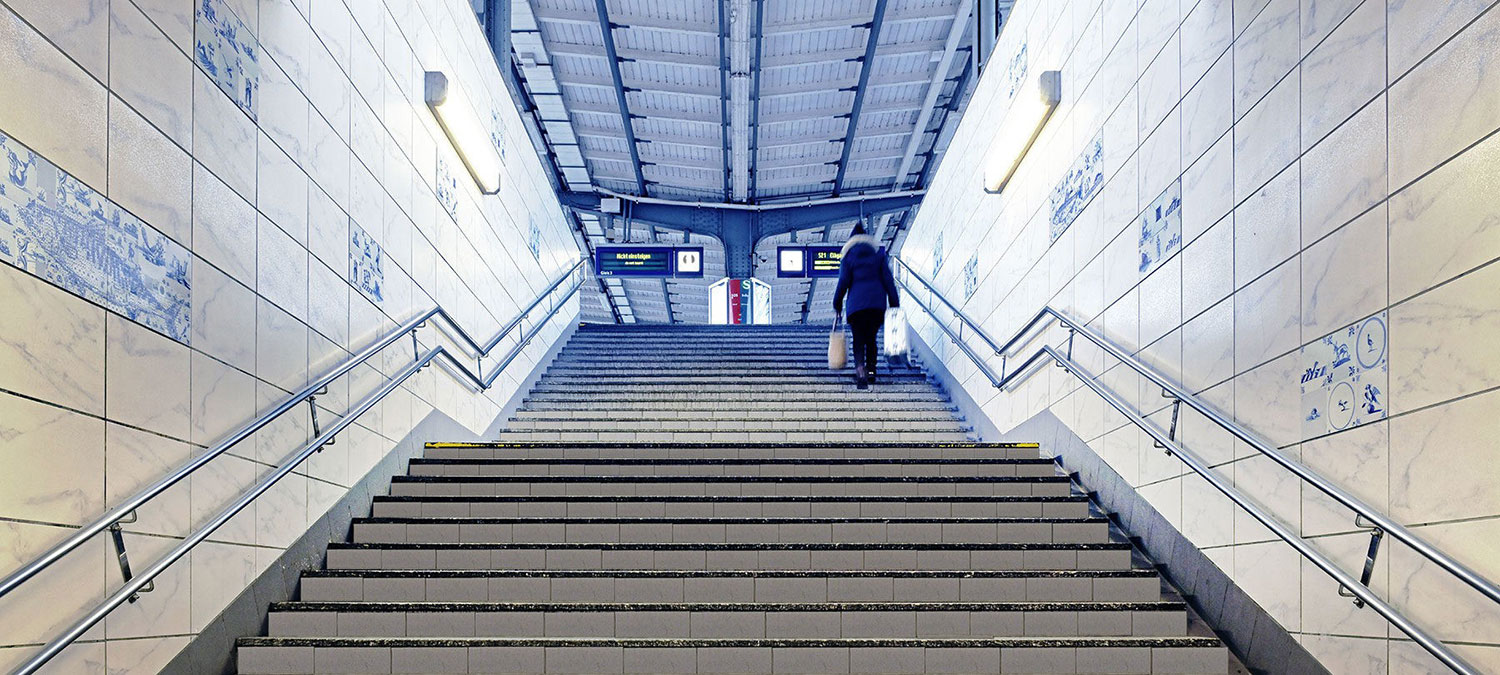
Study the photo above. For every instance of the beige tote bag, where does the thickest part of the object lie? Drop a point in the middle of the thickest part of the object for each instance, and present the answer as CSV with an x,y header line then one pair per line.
x,y
838,347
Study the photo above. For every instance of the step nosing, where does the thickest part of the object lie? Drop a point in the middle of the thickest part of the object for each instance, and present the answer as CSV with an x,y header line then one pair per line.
x,y
748,445
741,546
738,498
1134,573
1018,642
722,478
726,520
713,461
937,606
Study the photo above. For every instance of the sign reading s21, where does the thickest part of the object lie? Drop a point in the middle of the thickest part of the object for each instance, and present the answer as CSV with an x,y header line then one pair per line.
x,y
796,262
649,261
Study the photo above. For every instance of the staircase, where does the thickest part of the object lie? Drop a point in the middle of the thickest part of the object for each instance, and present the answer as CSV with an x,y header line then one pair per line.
x,y
713,499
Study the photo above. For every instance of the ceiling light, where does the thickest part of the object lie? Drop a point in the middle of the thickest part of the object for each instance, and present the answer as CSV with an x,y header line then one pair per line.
x,y
1020,129
465,130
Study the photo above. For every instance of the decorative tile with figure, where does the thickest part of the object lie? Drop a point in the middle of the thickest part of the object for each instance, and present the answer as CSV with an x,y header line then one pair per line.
x,y
971,276
227,52
1161,228
534,237
54,226
447,188
1345,377
366,264
937,255
1081,183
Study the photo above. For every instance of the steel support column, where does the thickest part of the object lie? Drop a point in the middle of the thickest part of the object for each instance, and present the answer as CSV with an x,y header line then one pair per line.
x,y
866,65
607,29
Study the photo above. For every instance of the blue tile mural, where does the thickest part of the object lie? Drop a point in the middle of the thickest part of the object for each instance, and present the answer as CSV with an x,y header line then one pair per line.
x,y
447,188
61,230
366,264
1161,228
1345,377
937,255
971,276
1015,72
1081,183
226,50
497,133
534,238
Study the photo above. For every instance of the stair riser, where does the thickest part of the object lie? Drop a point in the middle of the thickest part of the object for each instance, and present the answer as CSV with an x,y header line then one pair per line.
x,y
648,559
765,424
714,414
731,625
759,489
876,395
831,386
719,509
731,589
913,533
731,452
733,436
254,660
786,470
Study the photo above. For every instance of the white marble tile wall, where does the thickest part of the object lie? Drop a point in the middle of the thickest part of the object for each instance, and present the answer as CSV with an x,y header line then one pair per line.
x,y
1337,161
275,161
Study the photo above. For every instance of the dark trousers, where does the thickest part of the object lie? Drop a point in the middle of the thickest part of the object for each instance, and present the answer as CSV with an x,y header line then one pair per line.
x,y
866,325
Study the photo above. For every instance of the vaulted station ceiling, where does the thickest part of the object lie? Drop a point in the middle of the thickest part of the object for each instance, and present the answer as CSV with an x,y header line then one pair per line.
x,y
741,101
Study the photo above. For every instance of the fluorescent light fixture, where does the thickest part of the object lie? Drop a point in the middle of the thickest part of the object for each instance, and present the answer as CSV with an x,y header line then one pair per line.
x,y
465,130
1019,130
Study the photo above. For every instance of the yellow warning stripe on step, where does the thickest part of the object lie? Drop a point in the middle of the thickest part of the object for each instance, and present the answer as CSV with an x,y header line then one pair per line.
x,y
725,444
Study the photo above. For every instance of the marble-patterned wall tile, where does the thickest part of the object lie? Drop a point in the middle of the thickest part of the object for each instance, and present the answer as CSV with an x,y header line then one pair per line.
x,y
1321,17
1207,31
284,114
328,159
223,227
135,459
173,17
62,446
1445,224
80,29
146,379
1344,175
284,435
1343,276
1435,599
1265,140
1448,102
220,571
1208,347
58,355
1160,160
327,230
1437,353
1320,612
163,611
282,269
223,399
282,191
281,513
1209,522
328,309
1271,573
1207,110
1265,53
215,486
150,73
1261,406
1161,84
1427,446
331,92
1245,12
143,655
1345,71
54,597
50,103
223,137
1266,227
224,319
1418,28
1347,654
280,347
1208,189
150,176
1357,460
1208,269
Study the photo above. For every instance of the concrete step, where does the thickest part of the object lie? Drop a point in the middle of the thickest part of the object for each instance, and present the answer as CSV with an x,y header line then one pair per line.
x,y
747,435
779,362
727,485
473,530
737,450
1205,655
767,423
864,506
790,466
712,410
770,556
728,586
727,372
737,620
591,413
875,395
695,385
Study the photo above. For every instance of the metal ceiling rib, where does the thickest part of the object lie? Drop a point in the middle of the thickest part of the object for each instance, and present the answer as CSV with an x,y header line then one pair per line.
x,y
649,97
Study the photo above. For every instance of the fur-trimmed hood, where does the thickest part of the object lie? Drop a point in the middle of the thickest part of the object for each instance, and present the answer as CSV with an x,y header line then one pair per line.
x,y
857,240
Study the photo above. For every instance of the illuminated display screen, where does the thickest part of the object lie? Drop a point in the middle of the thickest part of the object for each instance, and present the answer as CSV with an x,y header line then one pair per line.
x,y
791,261
689,261
634,261
823,261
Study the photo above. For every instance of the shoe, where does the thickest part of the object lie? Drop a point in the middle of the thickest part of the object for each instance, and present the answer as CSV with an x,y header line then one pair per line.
x,y
870,378
860,381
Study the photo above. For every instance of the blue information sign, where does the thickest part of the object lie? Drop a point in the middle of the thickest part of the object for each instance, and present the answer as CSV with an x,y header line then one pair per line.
x,y
649,261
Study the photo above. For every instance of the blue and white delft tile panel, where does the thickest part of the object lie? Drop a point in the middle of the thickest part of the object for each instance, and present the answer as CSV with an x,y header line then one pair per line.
x,y
54,226
1015,72
534,237
447,187
227,52
937,254
1081,183
1345,377
497,133
971,276
1161,228
366,264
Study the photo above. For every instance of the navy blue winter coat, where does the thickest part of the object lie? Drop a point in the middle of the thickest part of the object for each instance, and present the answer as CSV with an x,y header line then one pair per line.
x,y
865,277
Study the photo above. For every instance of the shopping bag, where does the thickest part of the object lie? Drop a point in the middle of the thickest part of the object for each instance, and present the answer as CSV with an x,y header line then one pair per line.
x,y
838,347
897,337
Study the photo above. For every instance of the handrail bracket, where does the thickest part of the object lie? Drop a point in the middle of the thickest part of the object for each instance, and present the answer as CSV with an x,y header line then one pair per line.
x,y
312,411
1377,535
117,533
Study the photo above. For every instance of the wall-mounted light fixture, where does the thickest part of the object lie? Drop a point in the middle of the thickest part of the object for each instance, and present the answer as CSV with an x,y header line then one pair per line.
x,y
465,131
1021,127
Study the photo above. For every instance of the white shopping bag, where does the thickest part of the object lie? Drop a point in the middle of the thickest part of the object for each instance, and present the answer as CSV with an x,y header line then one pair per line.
x,y
897,337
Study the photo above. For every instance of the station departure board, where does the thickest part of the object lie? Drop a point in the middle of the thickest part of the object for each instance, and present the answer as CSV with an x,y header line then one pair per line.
x,y
649,261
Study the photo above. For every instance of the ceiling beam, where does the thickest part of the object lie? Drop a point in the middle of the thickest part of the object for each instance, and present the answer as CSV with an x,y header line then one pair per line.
x,y
850,53
905,16
614,71
628,54
556,15
754,149
934,88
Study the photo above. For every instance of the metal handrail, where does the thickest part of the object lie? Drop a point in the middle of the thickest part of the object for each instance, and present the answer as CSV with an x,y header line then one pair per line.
x,y
1366,516
951,307
122,512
